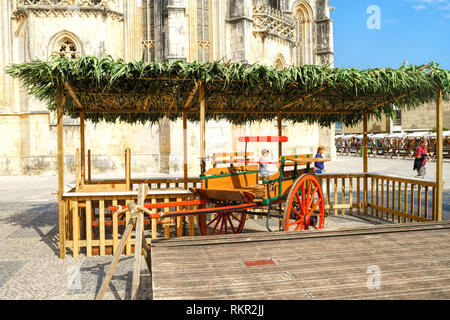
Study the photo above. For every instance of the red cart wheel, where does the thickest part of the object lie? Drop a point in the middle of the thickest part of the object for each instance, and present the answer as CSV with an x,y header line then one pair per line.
x,y
305,206
222,223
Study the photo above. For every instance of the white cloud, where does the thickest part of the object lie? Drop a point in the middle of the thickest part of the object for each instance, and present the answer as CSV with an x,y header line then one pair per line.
x,y
424,4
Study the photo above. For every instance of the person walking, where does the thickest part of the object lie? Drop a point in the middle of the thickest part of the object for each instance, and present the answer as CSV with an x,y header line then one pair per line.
x,y
421,155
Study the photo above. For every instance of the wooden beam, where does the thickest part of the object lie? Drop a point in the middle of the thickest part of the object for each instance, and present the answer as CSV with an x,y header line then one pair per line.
x,y
137,256
60,155
191,96
115,261
72,94
365,162
439,153
309,95
215,111
392,100
142,193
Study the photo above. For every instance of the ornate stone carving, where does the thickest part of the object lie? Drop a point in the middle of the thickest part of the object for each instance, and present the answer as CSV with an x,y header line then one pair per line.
x,y
66,8
270,22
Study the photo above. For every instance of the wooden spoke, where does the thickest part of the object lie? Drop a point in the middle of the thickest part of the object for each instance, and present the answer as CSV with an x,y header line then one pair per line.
x,y
305,210
223,223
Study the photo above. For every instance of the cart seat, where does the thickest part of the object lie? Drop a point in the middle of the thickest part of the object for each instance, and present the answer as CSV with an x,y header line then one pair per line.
x,y
258,190
242,196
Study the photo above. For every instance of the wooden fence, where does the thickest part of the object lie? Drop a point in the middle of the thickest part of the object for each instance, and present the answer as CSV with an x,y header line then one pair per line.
x,y
387,197
91,228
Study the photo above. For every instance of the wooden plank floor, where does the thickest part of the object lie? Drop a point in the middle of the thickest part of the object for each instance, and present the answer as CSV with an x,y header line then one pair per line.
x,y
414,261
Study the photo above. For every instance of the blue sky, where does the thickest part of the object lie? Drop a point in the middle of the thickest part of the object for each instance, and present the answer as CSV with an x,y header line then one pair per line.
x,y
416,31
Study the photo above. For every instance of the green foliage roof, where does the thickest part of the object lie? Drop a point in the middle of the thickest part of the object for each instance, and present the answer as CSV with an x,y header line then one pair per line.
x,y
111,89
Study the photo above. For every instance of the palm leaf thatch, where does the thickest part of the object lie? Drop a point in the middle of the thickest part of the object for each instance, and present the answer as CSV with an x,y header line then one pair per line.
x,y
110,89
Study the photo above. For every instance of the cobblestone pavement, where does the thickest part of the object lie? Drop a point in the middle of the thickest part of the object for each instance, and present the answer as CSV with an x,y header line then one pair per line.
x,y
31,269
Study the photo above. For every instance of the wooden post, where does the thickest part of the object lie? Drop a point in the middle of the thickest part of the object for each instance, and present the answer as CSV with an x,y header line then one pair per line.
x,y
202,129
60,155
280,133
77,170
115,261
439,155
82,149
365,162
140,245
185,158
89,165
139,230
128,168
280,153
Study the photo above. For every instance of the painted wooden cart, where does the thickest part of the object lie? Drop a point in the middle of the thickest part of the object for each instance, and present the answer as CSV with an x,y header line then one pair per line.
x,y
228,195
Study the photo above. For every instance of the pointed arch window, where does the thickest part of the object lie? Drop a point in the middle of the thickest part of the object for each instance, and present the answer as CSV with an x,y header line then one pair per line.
x,y
304,15
148,29
204,30
280,62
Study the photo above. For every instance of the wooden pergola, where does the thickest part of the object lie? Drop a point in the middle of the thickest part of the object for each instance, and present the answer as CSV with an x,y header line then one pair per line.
x,y
238,93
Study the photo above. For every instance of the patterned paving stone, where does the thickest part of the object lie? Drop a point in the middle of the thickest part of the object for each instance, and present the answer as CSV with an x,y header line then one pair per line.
x,y
40,226
9,269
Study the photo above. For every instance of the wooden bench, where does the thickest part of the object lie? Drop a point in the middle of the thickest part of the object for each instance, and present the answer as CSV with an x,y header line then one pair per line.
x,y
230,158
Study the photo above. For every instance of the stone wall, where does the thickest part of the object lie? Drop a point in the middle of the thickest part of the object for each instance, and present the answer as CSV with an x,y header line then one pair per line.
x,y
420,118
28,130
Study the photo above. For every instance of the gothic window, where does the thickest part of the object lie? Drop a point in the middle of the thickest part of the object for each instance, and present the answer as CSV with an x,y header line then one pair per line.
x,y
280,63
304,35
203,29
67,48
275,4
148,28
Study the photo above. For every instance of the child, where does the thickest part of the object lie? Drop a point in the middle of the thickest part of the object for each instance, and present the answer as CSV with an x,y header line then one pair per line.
x,y
421,156
319,166
263,164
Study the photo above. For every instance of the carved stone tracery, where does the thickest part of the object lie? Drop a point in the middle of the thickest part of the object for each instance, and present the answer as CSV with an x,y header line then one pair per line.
x,y
273,23
66,8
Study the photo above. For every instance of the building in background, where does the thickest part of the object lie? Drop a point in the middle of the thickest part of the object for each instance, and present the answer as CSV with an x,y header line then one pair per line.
x,y
420,119
280,33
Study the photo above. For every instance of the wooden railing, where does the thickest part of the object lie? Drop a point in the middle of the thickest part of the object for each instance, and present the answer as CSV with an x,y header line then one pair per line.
x,y
387,197
92,229
343,192
401,200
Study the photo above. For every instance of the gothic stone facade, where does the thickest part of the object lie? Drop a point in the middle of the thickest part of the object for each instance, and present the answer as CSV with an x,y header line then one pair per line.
x,y
272,32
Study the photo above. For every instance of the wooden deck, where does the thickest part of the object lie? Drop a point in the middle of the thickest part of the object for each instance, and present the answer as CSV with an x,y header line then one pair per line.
x,y
414,261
